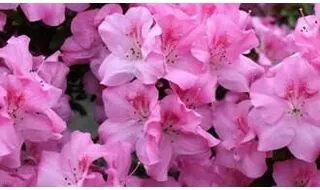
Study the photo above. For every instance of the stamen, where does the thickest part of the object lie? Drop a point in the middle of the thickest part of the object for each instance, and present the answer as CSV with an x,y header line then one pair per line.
x,y
304,18
131,174
39,68
301,12
135,169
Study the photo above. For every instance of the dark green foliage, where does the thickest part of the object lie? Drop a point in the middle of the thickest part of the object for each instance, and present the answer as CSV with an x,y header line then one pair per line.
x,y
75,87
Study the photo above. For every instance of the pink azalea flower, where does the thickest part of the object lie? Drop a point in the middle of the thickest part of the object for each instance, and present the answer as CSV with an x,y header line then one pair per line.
x,y
176,133
296,173
306,37
237,149
85,42
70,167
49,73
27,115
19,61
176,40
25,101
231,123
133,45
199,98
285,111
274,45
128,108
220,48
52,71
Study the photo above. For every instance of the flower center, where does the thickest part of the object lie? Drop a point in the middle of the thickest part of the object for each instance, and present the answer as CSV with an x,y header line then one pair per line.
x,y
218,53
302,177
301,182
295,111
170,42
170,120
76,172
15,101
191,97
189,102
141,108
296,95
135,52
171,58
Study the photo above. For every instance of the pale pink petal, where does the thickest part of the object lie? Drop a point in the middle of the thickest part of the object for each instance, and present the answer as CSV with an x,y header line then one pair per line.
x,y
116,71
305,145
107,9
50,176
77,7
159,171
50,14
16,55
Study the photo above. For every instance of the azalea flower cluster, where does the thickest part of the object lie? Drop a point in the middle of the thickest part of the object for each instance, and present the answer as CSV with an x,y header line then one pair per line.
x,y
156,70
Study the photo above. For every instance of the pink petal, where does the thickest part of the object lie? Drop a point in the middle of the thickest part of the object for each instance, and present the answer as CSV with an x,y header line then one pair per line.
x,y
77,7
305,145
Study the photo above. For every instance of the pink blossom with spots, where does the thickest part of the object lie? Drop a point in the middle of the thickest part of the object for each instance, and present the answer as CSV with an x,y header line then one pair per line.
x,y
296,173
134,48
70,166
285,111
176,133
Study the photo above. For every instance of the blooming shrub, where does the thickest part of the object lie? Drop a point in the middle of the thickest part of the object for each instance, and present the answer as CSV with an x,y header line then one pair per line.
x,y
171,95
